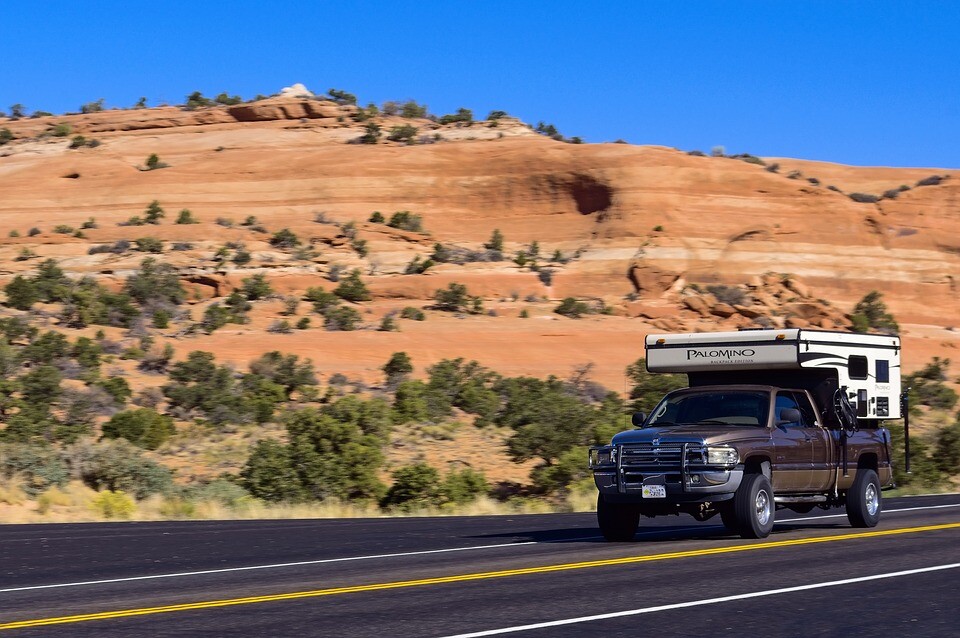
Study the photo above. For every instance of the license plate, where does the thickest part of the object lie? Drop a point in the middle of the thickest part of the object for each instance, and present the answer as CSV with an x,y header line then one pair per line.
x,y
654,491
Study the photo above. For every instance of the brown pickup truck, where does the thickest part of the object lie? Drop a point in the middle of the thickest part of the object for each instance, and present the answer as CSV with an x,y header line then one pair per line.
x,y
779,438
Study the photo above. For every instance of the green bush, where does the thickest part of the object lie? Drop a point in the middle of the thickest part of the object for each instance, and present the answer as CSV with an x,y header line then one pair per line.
x,y
321,299
38,467
646,389
495,242
870,313
464,486
409,312
414,487
284,238
398,368
6,136
352,288
572,308
341,318
947,450
372,133
376,217
118,465
149,245
454,298
405,220
153,163
155,283
462,115
286,370
186,217
405,133
256,287
143,427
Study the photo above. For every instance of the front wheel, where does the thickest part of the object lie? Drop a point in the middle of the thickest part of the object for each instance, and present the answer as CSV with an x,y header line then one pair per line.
x,y
753,506
618,521
863,499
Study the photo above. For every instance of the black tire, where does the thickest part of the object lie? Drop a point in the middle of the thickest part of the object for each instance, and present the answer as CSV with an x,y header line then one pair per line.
x,y
618,521
729,517
864,500
753,506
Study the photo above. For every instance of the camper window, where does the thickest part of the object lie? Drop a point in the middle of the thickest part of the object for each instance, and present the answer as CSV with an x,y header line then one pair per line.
x,y
857,366
883,371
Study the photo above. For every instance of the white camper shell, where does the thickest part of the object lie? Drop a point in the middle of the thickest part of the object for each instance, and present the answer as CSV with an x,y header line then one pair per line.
x,y
868,366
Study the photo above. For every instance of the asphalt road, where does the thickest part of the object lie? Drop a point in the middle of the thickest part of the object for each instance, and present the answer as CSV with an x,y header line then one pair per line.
x,y
532,576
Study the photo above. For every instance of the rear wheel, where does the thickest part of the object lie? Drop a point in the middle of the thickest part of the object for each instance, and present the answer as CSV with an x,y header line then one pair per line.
x,y
863,499
753,506
618,521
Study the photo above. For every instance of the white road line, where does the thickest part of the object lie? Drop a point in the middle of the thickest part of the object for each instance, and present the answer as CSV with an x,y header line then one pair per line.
x,y
902,509
345,559
705,601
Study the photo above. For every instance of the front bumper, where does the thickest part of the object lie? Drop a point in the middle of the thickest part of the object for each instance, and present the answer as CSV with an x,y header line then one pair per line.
x,y
681,470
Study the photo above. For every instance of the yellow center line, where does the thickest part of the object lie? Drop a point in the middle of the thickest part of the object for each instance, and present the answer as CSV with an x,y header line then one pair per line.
x,y
542,569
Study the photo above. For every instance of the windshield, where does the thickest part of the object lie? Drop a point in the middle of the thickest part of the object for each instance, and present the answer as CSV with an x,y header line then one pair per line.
x,y
719,408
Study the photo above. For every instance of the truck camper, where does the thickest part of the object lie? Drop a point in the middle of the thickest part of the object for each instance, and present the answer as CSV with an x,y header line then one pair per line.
x,y
771,419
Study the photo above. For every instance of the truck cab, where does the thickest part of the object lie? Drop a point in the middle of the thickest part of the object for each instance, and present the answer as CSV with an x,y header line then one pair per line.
x,y
771,419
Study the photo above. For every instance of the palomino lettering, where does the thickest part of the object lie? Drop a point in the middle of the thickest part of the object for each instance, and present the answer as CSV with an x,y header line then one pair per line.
x,y
716,354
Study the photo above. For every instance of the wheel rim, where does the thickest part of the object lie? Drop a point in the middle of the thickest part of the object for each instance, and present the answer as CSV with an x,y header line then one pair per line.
x,y
872,498
763,507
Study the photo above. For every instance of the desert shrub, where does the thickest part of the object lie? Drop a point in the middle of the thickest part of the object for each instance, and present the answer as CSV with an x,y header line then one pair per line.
x,y
933,180
280,326
728,294
117,388
411,110
329,456
371,135
352,288
285,370
405,220
119,465
256,287
63,229
341,318
149,245
946,452
59,130
405,133
186,217
398,368
33,232
155,283
154,162
303,323
409,312
37,467
143,427
927,386
418,267
455,297
463,115
870,313
464,486
6,136
227,100
321,299
572,308
545,275
284,238
414,487
376,217
864,198
22,293
495,242
388,323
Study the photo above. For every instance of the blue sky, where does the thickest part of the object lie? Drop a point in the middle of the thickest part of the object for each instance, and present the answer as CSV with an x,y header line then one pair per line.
x,y
870,83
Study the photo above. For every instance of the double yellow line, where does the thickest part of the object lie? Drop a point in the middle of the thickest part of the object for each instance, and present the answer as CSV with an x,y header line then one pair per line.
x,y
506,573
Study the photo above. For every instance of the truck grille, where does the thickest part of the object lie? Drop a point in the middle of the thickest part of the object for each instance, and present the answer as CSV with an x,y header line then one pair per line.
x,y
646,457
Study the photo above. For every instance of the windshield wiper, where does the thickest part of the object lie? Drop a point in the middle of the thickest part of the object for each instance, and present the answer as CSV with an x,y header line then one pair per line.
x,y
713,422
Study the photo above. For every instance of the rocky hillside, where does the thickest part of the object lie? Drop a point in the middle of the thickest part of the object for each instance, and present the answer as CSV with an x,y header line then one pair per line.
x,y
624,227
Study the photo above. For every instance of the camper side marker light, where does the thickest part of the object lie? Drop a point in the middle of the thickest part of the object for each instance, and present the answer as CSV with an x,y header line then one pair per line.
x,y
661,341
781,337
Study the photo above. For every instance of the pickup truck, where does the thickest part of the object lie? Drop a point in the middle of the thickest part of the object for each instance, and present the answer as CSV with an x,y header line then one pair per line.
x,y
755,433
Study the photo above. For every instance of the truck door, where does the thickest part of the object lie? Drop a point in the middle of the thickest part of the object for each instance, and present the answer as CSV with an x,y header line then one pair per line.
x,y
822,466
793,450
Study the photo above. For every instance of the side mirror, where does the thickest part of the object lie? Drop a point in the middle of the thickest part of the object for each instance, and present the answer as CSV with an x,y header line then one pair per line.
x,y
789,415
637,419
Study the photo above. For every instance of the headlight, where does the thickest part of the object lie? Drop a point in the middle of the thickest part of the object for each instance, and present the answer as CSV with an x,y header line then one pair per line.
x,y
722,455
603,456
